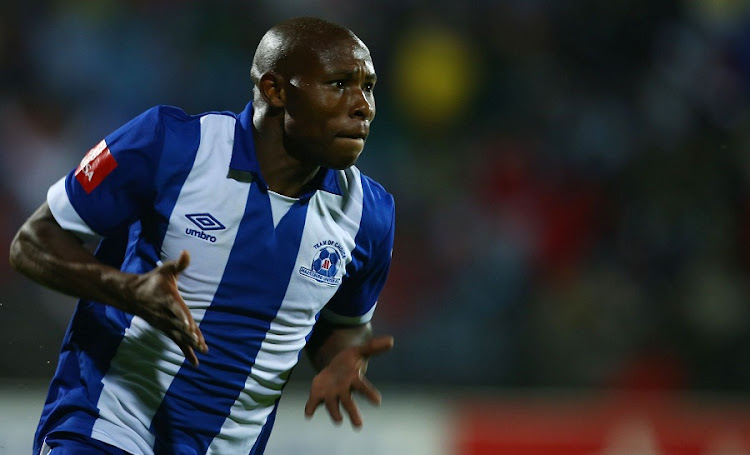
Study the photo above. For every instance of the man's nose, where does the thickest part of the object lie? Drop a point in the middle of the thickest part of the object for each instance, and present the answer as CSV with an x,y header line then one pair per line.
x,y
362,107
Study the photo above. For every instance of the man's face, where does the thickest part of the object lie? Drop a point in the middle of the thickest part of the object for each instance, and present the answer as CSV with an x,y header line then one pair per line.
x,y
330,104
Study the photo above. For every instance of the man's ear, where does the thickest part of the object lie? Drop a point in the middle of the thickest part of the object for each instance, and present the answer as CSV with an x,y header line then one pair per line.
x,y
271,87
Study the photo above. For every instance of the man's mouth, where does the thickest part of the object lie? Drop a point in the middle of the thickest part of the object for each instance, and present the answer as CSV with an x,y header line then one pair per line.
x,y
354,135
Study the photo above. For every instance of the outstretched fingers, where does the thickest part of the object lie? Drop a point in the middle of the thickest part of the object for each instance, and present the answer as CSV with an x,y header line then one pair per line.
x,y
194,333
182,330
189,354
332,404
312,405
183,261
336,384
365,387
176,267
186,334
376,346
351,408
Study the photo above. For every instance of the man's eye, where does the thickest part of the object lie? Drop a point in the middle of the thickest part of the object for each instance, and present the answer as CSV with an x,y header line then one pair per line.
x,y
338,84
369,86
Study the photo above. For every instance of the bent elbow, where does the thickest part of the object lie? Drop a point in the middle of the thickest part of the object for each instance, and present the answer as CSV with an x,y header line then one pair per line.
x,y
17,251
32,238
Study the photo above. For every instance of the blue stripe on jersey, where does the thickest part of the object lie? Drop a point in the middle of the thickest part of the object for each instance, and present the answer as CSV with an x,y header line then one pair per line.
x,y
243,154
69,406
85,326
96,330
162,134
260,444
259,268
368,269
180,150
180,144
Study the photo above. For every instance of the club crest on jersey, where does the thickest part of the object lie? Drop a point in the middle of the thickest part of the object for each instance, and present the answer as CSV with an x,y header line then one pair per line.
x,y
95,166
326,264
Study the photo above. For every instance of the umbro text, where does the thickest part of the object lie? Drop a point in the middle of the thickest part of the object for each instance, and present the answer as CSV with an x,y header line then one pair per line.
x,y
200,234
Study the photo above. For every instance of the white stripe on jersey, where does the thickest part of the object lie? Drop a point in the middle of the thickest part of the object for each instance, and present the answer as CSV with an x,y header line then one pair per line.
x,y
66,215
336,318
280,204
147,361
327,214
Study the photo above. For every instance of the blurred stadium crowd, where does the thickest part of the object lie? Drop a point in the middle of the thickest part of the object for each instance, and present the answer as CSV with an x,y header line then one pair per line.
x,y
571,178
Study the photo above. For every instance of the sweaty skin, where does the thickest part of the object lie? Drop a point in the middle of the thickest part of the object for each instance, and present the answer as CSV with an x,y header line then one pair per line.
x,y
313,108
314,102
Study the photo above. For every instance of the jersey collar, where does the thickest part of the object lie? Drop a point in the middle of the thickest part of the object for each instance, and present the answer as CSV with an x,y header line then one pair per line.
x,y
244,165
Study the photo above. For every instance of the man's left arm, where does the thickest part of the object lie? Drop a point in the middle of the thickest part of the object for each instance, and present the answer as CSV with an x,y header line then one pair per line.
x,y
340,355
342,342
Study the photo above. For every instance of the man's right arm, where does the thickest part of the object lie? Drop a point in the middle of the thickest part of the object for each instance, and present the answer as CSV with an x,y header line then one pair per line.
x,y
57,259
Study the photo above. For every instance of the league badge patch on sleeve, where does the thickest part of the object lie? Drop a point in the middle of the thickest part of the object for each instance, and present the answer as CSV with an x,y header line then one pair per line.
x,y
95,166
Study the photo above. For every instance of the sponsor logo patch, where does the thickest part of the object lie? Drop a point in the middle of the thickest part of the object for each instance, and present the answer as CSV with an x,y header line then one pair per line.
x,y
95,166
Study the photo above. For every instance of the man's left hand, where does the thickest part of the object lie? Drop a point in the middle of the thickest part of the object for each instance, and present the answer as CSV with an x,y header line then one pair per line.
x,y
345,374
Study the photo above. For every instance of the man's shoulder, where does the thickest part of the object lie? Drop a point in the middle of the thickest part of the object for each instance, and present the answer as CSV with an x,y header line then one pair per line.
x,y
164,120
378,192
166,111
360,185
378,207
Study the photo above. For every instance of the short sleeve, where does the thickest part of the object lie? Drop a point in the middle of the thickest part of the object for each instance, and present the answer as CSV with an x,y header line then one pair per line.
x,y
355,301
114,182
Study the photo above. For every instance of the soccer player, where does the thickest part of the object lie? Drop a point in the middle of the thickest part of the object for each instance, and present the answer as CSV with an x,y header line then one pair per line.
x,y
227,243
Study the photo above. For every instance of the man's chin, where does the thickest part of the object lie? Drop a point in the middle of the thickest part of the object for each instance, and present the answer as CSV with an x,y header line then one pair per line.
x,y
342,164
344,157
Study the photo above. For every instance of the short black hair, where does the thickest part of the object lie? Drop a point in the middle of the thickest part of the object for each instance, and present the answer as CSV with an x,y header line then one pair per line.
x,y
288,37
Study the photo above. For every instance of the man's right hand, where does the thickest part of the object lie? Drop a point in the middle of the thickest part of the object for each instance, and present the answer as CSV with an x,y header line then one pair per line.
x,y
154,297
54,257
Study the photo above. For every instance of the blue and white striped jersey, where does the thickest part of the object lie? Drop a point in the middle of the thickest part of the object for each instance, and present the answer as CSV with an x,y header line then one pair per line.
x,y
263,268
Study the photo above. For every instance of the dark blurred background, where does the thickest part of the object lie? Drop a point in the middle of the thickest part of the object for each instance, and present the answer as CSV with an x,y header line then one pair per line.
x,y
572,178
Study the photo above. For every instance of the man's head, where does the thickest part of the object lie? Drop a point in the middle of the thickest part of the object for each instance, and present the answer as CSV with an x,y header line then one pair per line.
x,y
316,78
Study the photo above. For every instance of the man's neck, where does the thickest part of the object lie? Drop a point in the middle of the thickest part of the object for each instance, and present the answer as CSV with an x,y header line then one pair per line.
x,y
283,173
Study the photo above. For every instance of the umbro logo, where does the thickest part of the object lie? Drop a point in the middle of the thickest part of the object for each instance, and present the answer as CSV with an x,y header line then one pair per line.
x,y
206,222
